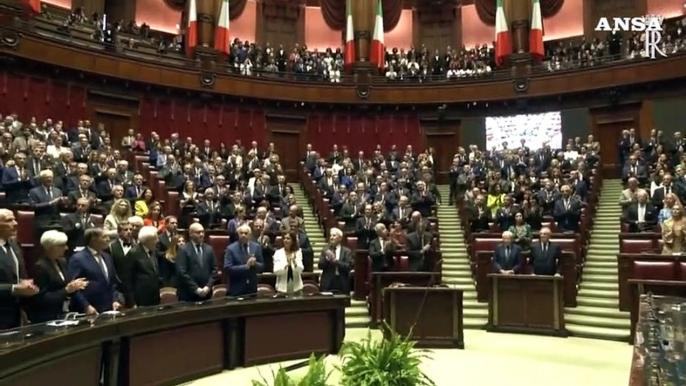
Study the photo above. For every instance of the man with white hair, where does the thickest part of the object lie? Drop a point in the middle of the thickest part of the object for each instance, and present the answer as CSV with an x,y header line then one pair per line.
x,y
195,267
136,224
47,201
243,261
507,256
336,262
13,283
144,275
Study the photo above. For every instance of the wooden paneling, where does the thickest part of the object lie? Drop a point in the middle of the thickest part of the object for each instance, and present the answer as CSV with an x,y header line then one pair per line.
x,y
607,125
166,75
434,27
281,23
118,113
287,134
444,137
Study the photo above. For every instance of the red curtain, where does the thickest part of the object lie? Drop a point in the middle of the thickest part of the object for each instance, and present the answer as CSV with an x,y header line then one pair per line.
x,y
486,9
218,123
363,133
334,13
31,97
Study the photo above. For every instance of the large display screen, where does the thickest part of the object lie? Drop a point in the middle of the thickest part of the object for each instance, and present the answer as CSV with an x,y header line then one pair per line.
x,y
535,129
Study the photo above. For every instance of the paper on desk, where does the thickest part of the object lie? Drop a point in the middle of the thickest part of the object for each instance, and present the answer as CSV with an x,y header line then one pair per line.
x,y
63,323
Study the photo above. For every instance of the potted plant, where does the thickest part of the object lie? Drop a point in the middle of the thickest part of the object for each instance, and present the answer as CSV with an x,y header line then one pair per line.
x,y
392,361
317,375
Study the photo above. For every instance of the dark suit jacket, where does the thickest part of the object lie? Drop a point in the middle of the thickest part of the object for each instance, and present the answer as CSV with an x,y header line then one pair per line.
x,y
123,264
548,263
659,195
145,278
194,271
336,274
10,313
510,262
75,195
49,303
382,259
414,246
650,217
243,280
74,227
101,291
45,212
567,218
423,204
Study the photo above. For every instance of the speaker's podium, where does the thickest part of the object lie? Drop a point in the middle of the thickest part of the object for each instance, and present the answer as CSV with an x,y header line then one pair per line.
x,y
526,304
437,312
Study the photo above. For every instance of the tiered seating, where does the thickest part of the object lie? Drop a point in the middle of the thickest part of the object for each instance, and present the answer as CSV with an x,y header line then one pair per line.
x,y
481,245
361,275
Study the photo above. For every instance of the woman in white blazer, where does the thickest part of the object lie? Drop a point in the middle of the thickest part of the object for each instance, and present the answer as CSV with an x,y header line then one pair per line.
x,y
288,266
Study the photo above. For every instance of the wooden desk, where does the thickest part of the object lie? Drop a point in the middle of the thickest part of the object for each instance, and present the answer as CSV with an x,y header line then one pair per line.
x,y
270,278
434,315
526,304
381,280
150,346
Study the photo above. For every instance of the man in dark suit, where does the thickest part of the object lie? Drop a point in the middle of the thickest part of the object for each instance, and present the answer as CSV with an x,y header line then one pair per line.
x,y
16,180
96,267
135,191
165,238
119,250
83,191
13,283
667,187
567,211
546,256
507,257
403,212
145,278
422,200
636,170
364,228
419,244
641,215
195,267
382,250
479,215
336,262
75,224
243,261
47,201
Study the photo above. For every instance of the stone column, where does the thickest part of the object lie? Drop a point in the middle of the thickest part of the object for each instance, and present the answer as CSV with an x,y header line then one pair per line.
x,y
363,12
518,13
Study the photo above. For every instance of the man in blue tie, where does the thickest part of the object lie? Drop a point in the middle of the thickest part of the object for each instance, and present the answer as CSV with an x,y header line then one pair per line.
x,y
243,261
195,267
507,257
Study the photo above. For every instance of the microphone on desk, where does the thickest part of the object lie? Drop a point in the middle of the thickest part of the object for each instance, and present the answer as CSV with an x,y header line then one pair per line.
x,y
426,293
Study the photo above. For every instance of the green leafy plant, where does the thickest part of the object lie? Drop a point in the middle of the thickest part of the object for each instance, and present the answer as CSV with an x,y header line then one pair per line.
x,y
392,361
317,375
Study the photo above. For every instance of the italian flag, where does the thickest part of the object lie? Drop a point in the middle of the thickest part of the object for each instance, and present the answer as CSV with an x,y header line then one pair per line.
x,y
378,50
536,35
503,44
221,34
192,28
349,35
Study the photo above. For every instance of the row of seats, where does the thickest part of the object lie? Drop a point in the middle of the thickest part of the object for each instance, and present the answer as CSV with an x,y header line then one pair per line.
x,y
168,294
648,242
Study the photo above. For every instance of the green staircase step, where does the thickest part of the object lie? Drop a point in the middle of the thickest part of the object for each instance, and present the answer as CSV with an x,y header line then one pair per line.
x,y
602,278
597,302
600,286
594,293
595,321
594,270
603,312
474,323
356,322
583,331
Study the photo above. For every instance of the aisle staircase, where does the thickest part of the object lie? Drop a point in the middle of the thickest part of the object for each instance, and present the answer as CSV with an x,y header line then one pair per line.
x,y
597,313
356,316
456,270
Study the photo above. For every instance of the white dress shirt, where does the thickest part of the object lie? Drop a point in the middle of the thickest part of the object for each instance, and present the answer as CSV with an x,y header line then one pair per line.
x,y
281,270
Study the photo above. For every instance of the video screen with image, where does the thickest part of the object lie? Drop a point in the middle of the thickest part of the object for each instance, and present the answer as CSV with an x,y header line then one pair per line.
x,y
536,129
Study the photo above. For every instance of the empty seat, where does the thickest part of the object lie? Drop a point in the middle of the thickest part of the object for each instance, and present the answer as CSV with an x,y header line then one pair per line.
x,y
26,228
636,245
402,263
682,271
654,270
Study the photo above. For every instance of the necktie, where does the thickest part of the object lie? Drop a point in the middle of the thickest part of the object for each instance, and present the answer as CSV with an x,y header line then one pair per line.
x,y
49,192
14,262
667,191
566,204
103,267
36,167
198,251
151,256
545,249
507,253
84,221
